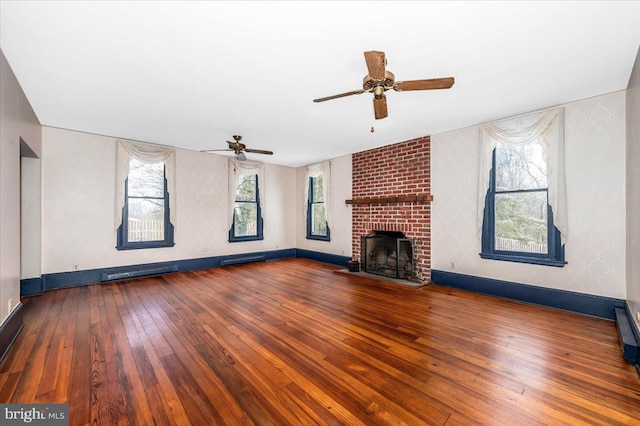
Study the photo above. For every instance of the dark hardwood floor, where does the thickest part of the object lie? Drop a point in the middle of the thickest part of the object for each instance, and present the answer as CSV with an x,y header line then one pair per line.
x,y
289,342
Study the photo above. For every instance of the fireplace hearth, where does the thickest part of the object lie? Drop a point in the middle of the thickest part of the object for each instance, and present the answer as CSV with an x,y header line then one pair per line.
x,y
387,253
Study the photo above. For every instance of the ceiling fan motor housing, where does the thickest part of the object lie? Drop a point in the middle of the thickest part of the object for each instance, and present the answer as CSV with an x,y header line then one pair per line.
x,y
369,84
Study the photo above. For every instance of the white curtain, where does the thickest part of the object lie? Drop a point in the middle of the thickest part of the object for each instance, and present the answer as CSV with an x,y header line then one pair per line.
x,y
321,169
237,168
546,125
149,154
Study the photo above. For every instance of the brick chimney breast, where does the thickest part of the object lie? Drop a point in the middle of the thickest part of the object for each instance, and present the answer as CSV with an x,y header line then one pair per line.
x,y
401,169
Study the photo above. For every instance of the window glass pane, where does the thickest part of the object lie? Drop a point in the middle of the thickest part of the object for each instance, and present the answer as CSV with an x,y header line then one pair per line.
x,y
245,219
318,220
146,220
520,166
521,222
145,180
246,189
318,189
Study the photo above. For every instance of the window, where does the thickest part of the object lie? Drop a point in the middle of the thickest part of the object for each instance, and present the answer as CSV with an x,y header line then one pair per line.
x,y
518,219
317,227
318,191
247,215
145,215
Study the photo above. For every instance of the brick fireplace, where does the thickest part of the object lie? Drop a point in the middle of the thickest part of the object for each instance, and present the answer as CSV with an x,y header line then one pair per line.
x,y
391,192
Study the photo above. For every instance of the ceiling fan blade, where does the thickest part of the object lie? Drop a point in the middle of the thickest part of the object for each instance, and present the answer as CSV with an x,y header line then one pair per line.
x,y
241,157
430,84
380,107
216,150
341,95
375,63
259,151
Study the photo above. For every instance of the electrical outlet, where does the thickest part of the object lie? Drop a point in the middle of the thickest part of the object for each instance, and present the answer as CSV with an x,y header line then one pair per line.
x,y
205,250
10,304
75,267
453,265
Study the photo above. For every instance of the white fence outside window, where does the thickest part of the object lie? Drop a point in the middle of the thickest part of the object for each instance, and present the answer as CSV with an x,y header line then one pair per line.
x,y
508,244
146,230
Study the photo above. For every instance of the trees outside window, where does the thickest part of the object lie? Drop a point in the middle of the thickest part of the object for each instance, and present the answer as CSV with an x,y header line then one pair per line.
x,y
317,228
145,215
518,223
521,198
247,218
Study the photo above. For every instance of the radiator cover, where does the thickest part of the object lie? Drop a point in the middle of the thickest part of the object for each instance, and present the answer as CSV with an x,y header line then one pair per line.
x,y
136,273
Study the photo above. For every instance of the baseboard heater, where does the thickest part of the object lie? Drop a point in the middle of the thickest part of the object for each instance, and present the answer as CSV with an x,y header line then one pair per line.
x,y
242,259
627,338
145,272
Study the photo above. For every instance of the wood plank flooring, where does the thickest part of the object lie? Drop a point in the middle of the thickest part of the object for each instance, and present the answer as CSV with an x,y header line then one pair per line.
x,y
289,342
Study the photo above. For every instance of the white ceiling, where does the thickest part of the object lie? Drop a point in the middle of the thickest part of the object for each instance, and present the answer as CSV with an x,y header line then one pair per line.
x,y
192,74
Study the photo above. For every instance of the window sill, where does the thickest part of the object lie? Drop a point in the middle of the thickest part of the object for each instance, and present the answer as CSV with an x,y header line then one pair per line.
x,y
145,245
318,237
524,259
241,239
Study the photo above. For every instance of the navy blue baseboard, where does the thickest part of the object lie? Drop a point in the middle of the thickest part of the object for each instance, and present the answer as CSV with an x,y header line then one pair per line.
x,y
35,286
31,287
334,259
9,330
587,304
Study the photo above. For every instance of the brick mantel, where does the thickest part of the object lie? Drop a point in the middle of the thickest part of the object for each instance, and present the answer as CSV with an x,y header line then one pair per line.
x,y
419,198
391,192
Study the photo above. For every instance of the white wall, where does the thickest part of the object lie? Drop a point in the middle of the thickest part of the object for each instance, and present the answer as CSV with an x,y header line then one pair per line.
x,y
30,217
17,120
78,175
339,215
595,173
633,191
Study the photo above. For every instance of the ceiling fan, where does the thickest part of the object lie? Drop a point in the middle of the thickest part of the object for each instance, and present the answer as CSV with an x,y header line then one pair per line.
x,y
379,80
240,149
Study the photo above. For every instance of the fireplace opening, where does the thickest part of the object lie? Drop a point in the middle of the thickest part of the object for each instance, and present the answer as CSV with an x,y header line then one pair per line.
x,y
388,253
